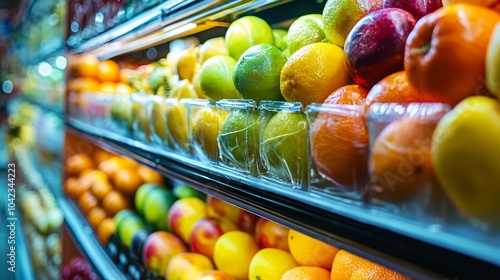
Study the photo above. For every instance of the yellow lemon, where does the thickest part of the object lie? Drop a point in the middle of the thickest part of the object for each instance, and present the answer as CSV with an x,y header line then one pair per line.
x,y
177,123
206,125
465,149
313,72
270,264
233,253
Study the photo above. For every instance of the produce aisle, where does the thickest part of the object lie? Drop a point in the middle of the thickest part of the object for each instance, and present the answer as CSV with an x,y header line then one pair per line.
x,y
265,139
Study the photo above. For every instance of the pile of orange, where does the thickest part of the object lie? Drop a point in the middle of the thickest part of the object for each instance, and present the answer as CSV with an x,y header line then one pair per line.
x,y
104,184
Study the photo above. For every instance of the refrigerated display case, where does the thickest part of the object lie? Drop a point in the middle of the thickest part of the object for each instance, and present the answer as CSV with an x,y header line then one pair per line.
x,y
140,37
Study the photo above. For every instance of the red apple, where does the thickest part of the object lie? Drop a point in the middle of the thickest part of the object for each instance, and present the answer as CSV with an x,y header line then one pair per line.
x,y
188,266
214,275
160,247
375,46
206,232
244,220
271,235
418,8
183,214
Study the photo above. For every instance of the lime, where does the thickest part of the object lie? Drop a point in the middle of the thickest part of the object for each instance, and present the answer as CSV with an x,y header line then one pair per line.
x,y
284,147
213,47
340,16
238,140
280,38
216,78
304,31
246,32
257,74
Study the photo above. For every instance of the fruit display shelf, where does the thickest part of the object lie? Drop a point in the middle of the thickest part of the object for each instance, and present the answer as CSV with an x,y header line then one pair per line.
x,y
419,251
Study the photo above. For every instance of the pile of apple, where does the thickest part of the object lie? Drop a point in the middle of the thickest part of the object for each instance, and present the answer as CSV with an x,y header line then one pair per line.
x,y
180,225
77,268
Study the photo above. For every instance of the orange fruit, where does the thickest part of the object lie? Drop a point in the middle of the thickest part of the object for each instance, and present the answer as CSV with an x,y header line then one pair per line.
x,y
435,64
400,162
127,181
107,88
345,264
114,202
100,188
105,229
148,175
308,251
396,88
492,4
95,216
111,165
101,155
87,201
88,177
373,271
73,189
77,163
339,141
87,65
313,72
83,84
306,273
108,71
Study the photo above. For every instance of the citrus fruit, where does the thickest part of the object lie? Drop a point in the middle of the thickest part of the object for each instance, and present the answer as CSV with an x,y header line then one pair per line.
x,y
105,229
183,89
77,163
107,88
465,151
492,4
213,47
395,88
216,78
188,266
148,175
206,125
197,85
433,63
177,123
187,64
339,138
493,63
95,216
313,72
87,65
306,273
108,71
339,17
100,188
83,84
257,73
373,271
305,30
233,253
400,161
283,148
87,201
158,120
270,264
73,189
205,233
238,140
127,181
308,251
246,32
114,202
280,39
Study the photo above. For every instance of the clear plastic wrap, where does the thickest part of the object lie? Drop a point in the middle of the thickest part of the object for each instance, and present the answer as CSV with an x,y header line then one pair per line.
x,y
283,143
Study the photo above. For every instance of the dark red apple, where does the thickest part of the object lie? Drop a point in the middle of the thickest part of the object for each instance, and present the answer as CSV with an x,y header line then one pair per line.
x,y
375,46
418,8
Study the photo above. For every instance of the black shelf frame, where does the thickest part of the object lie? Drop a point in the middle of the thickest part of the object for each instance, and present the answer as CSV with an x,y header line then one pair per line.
x,y
303,211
